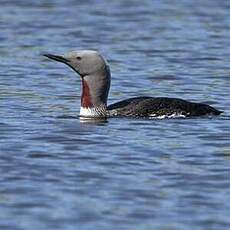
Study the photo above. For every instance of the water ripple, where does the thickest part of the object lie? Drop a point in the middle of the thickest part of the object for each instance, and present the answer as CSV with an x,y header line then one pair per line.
x,y
59,171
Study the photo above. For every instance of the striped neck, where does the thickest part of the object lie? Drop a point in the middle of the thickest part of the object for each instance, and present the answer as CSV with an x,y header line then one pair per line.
x,y
95,89
99,111
88,108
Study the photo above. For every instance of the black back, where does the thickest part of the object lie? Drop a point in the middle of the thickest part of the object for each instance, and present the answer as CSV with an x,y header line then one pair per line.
x,y
158,106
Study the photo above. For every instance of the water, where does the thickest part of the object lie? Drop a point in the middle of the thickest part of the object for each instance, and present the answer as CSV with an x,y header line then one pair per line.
x,y
60,173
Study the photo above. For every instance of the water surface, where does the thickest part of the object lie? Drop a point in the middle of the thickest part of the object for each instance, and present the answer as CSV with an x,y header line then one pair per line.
x,y
58,172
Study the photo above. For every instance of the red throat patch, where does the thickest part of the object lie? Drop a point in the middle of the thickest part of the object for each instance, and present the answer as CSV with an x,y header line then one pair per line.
x,y
85,97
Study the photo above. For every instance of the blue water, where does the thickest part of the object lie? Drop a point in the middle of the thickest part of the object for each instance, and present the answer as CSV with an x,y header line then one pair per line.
x,y
57,172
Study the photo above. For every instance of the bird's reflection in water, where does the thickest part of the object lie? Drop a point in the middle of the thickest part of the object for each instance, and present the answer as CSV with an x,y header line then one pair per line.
x,y
94,121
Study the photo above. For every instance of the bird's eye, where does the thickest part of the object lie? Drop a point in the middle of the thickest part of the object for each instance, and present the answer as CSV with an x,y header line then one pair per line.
x,y
78,58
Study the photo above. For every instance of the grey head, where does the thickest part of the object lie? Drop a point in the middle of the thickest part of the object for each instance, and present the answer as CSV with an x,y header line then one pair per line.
x,y
94,72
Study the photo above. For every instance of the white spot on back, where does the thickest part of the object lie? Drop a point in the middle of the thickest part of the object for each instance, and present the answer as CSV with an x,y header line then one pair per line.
x,y
173,115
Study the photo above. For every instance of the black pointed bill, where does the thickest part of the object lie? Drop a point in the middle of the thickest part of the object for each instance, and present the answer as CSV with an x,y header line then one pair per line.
x,y
57,58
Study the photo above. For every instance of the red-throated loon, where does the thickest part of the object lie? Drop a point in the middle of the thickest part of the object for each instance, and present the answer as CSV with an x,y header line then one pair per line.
x,y
95,76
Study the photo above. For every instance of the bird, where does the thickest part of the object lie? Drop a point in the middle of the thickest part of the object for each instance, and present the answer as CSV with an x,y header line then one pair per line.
x,y
95,76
